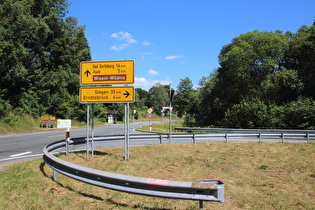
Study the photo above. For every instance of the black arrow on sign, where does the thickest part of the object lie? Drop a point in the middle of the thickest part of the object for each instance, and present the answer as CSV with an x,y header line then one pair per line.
x,y
126,94
87,72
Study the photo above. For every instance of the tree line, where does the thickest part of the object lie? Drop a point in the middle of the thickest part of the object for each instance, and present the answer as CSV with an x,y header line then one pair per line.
x,y
264,79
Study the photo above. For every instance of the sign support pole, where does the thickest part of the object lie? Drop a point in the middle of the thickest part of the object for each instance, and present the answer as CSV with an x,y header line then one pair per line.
x,y
126,143
92,146
87,131
170,109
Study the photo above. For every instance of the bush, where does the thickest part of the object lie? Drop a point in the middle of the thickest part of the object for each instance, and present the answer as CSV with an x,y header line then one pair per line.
x,y
5,108
253,113
300,114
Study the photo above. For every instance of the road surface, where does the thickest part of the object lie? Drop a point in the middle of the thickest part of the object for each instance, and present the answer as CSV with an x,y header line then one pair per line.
x,y
15,147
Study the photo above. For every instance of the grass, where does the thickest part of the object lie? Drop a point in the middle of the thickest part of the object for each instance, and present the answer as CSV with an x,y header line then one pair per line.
x,y
162,127
256,176
28,124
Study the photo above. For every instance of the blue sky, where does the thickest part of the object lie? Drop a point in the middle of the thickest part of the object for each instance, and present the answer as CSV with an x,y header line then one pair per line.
x,y
173,39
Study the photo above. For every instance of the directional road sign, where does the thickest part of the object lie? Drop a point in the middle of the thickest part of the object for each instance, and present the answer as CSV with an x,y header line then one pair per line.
x,y
107,72
107,94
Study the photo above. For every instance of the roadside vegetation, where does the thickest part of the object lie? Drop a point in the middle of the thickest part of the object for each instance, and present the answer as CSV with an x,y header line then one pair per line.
x,y
265,79
24,123
255,175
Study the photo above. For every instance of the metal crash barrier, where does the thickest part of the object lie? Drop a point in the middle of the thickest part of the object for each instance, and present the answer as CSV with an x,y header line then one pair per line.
x,y
201,191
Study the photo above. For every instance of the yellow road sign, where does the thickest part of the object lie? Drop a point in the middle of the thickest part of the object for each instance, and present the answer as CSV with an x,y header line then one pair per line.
x,y
107,72
107,94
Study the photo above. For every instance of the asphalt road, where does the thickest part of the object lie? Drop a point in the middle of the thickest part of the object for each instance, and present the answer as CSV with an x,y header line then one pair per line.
x,y
15,147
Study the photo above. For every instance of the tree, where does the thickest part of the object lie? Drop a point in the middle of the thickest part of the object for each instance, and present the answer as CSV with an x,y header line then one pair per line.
x,y
40,52
301,57
141,98
157,96
300,114
282,86
245,64
253,113
184,96
248,60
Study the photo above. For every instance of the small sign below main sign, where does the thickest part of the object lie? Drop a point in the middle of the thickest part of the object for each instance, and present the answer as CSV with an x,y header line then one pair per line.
x,y
107,72
107,94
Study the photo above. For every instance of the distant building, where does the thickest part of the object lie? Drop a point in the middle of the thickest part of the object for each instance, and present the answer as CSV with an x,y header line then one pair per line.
x,y
112,116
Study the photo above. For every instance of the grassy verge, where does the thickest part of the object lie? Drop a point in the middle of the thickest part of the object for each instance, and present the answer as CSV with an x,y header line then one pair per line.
x,y
28,124
161,127
256,176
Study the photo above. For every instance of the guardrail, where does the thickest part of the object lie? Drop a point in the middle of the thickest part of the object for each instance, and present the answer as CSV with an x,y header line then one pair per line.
x,y
238,130
201,191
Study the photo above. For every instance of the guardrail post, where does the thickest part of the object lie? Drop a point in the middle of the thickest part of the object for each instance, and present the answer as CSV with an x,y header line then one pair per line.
x,y
55,175
282,137
160,138
308,137
67,140
259,135
194,138
226,138
201,205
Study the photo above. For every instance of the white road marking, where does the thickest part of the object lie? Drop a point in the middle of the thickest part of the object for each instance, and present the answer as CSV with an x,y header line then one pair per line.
x,y
20,154
20,157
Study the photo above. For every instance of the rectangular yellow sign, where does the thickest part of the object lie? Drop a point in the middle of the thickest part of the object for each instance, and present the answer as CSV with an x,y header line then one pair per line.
x,y
107,72
107,94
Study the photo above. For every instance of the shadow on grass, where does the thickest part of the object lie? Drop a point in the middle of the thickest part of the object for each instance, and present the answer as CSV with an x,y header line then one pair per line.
x,y
95,197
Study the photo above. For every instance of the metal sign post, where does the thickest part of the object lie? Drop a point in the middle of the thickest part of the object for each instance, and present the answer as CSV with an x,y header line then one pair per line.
x,y
126,126
92,142
87,130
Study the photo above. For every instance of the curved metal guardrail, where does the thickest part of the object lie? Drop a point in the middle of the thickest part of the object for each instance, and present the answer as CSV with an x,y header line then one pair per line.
x,y
202,191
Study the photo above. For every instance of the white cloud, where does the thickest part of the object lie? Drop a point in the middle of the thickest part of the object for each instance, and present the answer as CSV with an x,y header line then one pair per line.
x,y
119,47
172,57
146,84
146,43
125,37
152,72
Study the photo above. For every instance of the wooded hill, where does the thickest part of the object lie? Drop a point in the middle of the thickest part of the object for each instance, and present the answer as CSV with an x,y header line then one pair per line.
x,y
265,79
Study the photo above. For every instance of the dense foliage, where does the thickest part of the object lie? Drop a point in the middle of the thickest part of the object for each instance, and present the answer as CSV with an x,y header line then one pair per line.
x,y
265,79
40,52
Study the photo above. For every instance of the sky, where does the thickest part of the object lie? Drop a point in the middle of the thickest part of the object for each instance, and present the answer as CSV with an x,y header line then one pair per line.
x,y
170,40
